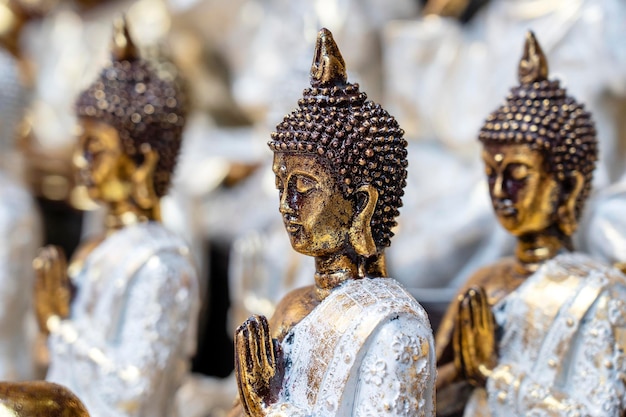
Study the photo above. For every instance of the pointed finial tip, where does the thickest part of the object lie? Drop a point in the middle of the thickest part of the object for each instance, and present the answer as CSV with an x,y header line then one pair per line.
x,y
328,68
324,32
533,66
123,47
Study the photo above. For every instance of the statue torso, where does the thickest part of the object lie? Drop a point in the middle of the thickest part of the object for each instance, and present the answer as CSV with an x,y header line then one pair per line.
x,y
132,324
561,342
366,347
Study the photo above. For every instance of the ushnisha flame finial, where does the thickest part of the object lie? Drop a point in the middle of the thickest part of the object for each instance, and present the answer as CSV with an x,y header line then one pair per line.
x,y
123,48
533,66
328,68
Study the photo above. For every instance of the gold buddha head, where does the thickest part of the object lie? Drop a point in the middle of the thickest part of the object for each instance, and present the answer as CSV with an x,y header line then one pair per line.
x,y
132,120
340,164
540,150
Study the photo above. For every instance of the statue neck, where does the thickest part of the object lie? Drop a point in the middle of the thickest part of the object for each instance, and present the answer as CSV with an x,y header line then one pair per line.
x,y
534,249
332,271
126,213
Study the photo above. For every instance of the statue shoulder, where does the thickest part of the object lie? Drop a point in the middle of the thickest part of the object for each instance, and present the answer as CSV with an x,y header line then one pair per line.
x,y
291,309
498,279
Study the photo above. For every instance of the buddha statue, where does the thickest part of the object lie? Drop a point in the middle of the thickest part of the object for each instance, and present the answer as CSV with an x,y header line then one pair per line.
x,y
355,342
541,333
451,77
121,318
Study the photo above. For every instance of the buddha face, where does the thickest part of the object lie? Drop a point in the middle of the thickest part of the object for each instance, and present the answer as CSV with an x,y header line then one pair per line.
x,y
98,160
317,217
524,195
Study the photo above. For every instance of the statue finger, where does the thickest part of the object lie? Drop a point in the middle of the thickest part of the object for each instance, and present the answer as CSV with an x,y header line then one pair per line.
x,y
52,275
269,354
484,315
41,265
253,345
240,372
468,348
242,350
475,307
456,342
59,266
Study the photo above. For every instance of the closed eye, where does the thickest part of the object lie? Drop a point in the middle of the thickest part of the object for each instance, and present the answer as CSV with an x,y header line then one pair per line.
x,y
305,183
518,171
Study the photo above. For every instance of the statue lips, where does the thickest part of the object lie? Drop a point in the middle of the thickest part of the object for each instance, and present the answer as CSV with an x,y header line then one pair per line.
x,y
504,208
291,225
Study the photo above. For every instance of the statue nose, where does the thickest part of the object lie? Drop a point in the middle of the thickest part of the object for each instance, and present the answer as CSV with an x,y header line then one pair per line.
x,y
497,190
284,206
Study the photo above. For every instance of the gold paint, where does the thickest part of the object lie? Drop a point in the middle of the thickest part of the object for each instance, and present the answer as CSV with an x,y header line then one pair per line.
x,y
533,66
316,215
525,198
445,8
112,177
39,398
122,47
474,337
328,68
11,24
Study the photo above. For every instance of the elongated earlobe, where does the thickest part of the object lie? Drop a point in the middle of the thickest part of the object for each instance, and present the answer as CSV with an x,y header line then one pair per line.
x,y
568,222
143,179
361,230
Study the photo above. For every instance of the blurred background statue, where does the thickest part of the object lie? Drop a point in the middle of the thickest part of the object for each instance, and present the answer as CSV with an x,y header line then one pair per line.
x,y
123,341
535,329
442,76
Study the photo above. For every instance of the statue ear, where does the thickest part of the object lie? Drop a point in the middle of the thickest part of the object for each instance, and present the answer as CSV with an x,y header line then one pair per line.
x,y
567,211
361,229
143,179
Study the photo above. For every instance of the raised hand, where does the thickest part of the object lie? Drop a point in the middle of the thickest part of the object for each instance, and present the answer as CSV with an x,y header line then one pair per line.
x,y
259,367
474,341
53,289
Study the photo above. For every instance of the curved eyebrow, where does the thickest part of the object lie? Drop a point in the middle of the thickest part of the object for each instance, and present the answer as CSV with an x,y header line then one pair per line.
x,y
304,174
515,158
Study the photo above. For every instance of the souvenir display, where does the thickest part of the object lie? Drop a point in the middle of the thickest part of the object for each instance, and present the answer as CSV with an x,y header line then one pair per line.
x,y
122,317
355,342
541,333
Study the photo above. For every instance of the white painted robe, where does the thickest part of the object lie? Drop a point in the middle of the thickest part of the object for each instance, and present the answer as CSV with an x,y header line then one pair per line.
x,y
562,346
126,345
20,234
366,350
